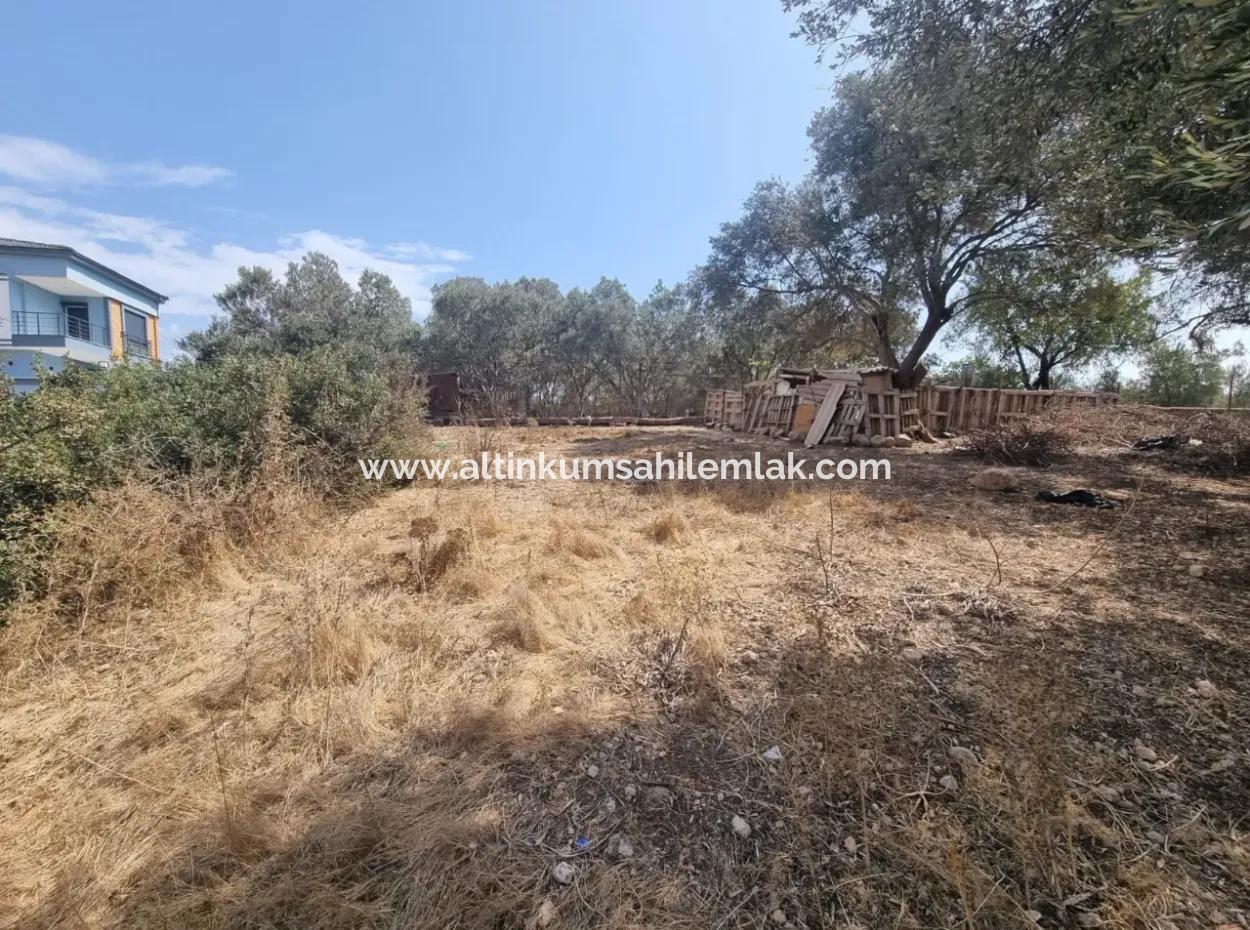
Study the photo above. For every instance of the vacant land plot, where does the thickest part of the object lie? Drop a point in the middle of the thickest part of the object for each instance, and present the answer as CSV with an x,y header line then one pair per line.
x,y
880,704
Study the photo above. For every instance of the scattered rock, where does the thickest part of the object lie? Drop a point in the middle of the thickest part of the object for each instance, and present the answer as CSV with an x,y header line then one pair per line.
x,y
859,439
563,872
779,916
877,441
1196,571
1144,752
1139,691
1222,764
740,826
902,442
749,657
1107,793
912,654
850,845
619,846
631,792
949,783
546,914
1206,688
963,755
773,754
996,479
658,796
592,771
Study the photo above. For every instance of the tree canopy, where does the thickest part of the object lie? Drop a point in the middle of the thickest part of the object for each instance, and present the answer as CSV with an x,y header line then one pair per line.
x,y
1062,313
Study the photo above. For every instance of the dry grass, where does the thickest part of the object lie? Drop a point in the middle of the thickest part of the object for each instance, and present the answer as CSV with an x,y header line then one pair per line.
x,y
329,742
668,527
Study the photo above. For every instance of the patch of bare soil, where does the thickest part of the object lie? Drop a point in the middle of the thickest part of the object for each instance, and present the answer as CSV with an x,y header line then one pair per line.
x,y
904,703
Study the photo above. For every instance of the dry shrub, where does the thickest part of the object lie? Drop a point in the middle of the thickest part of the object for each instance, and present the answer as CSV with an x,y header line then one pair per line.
x,y
341,649
489,440
748,497
668,527
708,651
1018,441
422,527
575,540
421,569
132,546
525,621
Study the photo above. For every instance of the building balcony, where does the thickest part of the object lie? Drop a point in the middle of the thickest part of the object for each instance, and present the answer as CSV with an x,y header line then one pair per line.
x,y
52,329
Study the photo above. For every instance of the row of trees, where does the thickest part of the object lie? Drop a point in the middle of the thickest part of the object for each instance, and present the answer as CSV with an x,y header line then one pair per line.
x,y
1053,182
525,346
999,171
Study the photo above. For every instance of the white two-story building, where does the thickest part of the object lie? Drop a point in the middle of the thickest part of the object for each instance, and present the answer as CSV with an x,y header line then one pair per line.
x,y
58,307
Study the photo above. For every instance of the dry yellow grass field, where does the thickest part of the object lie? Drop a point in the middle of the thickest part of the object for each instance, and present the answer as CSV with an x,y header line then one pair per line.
x,y
986,711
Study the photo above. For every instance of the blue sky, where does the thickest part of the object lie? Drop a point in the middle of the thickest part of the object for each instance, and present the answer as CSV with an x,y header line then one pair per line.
x,y
565,139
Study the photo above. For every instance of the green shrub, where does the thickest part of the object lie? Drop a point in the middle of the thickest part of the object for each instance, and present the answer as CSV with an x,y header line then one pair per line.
x,y
311,415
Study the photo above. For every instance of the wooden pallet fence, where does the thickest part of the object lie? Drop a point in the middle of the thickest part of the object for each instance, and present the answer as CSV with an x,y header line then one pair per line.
x,y
945,408
723,409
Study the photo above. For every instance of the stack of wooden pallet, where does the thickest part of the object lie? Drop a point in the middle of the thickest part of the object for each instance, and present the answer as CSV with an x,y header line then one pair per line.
x,y
830,406
723,409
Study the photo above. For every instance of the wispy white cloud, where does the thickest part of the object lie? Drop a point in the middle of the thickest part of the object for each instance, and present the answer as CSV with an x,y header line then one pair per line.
x,y
188,269
49,164
426,252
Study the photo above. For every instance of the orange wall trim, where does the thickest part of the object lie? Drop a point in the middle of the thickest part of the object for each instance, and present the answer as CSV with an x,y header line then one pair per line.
x,y
115,329
154,339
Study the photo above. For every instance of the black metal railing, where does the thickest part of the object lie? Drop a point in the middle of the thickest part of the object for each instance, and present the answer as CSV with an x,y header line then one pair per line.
x,y
32,323
138,348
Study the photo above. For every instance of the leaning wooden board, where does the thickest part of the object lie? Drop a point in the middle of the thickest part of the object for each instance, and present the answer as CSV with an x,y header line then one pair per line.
x,y
824,414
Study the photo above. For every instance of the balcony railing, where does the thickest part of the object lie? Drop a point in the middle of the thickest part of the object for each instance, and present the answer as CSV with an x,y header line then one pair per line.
x,y
138,348
28,323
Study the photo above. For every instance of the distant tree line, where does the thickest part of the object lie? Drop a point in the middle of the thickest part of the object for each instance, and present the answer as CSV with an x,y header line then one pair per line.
x,y
1057,185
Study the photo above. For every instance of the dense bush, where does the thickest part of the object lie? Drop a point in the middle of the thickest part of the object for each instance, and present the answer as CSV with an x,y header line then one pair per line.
x,y
308,416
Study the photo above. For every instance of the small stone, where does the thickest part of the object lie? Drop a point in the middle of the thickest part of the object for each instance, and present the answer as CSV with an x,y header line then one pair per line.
x,y
779,916
564,873
877,441
1107,793
949,783
593,771
658,796
609,805
805,791
749,657
902,442
631,792
1144,752
912,654
1035,916
1206,689
773,754
996,479
963,755
1196,571
850,845
740,826
1139,691
620,846
546,913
